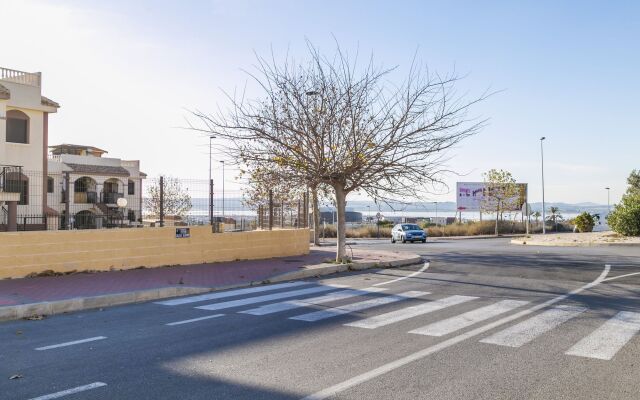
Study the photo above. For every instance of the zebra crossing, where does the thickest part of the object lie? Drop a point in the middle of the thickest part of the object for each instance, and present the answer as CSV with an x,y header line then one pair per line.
x,y
603,343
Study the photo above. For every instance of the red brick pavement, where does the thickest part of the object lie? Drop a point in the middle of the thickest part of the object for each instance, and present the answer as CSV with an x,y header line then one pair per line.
x,y
32,290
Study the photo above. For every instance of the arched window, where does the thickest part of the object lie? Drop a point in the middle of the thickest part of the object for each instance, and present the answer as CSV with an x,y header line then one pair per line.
x,y
17,127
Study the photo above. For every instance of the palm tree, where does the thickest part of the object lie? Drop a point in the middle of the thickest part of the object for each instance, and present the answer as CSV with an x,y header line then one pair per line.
x,y
555,216
537,216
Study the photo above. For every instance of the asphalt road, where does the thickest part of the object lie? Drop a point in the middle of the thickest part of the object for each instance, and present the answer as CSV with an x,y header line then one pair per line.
x,y
485,320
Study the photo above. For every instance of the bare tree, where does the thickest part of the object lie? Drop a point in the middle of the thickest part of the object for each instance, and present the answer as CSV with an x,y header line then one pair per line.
x,y
329,121
177,201
500,194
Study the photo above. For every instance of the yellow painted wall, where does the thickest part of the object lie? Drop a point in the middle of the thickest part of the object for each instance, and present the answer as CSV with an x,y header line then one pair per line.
x,y
22,253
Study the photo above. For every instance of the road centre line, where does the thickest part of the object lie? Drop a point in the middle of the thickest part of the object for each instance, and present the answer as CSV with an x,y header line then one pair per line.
x,y
194,320
421,270
386,368
55,346
621,276
67,392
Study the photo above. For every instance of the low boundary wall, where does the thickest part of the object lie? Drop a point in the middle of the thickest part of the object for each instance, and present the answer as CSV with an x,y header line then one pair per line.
x,y
24,253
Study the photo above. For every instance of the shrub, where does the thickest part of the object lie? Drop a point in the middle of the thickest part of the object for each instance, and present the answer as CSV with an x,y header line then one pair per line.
x,y
625,217
585,222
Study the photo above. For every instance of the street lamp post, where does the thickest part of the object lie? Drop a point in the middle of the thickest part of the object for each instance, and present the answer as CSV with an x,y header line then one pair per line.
x,y
223,219
210,184
608,200
544,230
436,203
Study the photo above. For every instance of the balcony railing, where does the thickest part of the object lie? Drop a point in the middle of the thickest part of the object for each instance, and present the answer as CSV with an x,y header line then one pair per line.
x,y
10,179
25,78
110,197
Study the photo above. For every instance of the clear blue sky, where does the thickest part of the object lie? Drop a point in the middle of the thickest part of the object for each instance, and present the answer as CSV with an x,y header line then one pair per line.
x,y
125,70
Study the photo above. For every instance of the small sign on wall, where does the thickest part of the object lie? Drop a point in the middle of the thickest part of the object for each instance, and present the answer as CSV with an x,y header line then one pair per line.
x,y
183,233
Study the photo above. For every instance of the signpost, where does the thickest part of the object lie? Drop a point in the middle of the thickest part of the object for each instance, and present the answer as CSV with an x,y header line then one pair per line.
x,y
470,196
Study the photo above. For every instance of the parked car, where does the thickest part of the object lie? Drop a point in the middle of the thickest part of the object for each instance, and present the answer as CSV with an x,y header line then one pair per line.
x,y
408,233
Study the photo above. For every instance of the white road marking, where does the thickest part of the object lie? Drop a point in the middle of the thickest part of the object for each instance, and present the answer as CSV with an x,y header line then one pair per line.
x,y
399,363
359,306
55,346
604,342
467,319
526,331
230,293
268,297
409,312
293,304
421,270
186,321
621,276
67,392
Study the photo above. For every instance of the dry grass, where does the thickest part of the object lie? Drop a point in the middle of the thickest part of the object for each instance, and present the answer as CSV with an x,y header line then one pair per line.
x,y
464,229
368,231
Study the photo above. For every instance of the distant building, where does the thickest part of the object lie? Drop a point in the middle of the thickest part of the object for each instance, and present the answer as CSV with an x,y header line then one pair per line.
x,y
329,215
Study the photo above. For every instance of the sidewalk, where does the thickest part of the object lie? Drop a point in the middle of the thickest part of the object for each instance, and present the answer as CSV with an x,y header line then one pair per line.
x,y
21,298
602,238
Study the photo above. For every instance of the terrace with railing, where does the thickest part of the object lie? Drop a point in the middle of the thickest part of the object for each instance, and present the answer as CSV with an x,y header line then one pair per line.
x,y
25,78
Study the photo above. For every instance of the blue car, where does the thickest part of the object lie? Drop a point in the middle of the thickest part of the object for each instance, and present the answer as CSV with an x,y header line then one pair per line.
x,y
408,233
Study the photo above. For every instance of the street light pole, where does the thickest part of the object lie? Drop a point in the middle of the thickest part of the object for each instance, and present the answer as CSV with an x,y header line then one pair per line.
x,y
210,184
436,203
544,229
223,218
608,200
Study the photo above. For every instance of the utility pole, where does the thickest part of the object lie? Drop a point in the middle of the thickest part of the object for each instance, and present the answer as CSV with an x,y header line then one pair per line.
x,y
223,218
544,230
210,184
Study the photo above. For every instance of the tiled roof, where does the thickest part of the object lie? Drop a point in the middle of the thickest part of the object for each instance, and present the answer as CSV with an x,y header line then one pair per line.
x,y
4,93
48,102
98,169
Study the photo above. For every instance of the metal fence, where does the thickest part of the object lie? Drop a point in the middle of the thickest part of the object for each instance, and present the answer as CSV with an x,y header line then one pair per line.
x,y
67,200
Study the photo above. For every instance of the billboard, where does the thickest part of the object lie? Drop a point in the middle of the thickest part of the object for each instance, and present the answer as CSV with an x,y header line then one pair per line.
x,y
470,196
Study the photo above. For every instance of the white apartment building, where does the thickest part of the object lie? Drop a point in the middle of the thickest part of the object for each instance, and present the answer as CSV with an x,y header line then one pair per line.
x,y
73,186
24,132
96,186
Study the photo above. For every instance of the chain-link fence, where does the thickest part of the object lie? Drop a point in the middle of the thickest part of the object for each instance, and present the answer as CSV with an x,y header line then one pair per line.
x,y
72,200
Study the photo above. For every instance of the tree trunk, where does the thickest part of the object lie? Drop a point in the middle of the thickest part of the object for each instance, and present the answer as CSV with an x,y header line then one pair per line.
x,y
316,216
341,205
497,216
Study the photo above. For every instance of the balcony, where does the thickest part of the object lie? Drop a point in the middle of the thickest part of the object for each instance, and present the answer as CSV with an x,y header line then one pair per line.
x,y
85,197
110,197
25,78
11,178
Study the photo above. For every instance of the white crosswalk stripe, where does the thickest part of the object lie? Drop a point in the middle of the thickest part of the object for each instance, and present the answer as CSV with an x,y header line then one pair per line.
x,y
526,331
467,319
359,306
409,312
229,293
269,297
293,304
604,342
